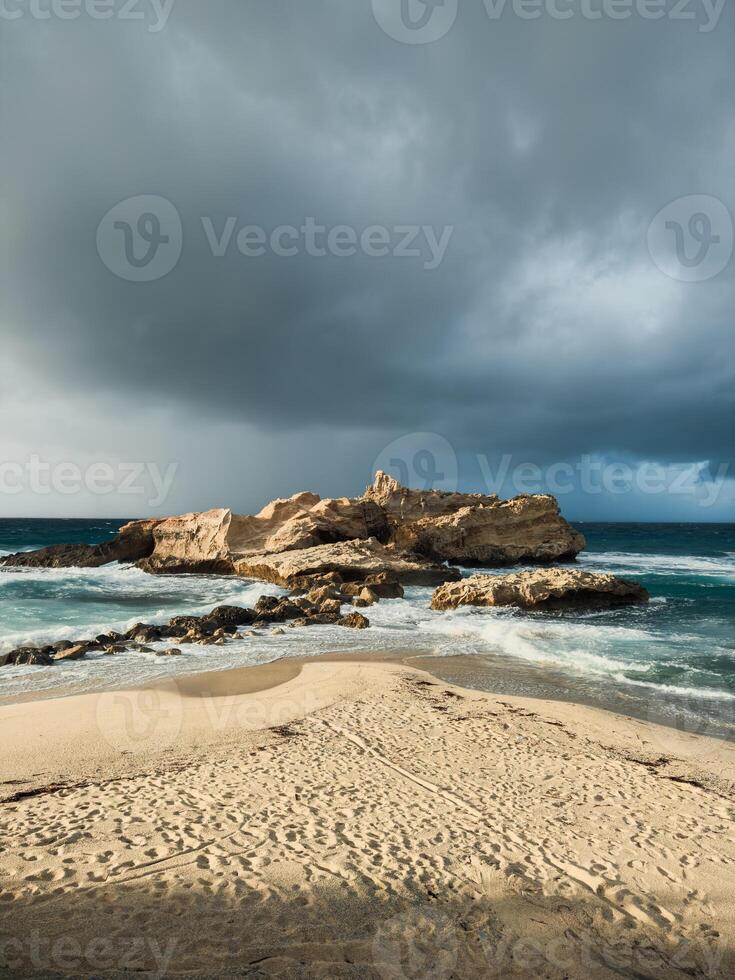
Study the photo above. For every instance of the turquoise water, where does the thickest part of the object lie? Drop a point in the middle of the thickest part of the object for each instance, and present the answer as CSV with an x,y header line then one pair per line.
x,y
680,646
689,627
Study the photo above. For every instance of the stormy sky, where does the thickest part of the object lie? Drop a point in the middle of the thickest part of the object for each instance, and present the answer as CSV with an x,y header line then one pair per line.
x,y
522,280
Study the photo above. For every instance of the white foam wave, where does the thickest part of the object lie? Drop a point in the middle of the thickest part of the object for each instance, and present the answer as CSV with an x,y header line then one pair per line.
x,y
723,567
593,646
74,600
694,693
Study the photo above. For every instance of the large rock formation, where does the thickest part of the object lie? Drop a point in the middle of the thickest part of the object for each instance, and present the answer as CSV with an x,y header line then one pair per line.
x,y
214,541
409,534
549,588
191,543
305,521
474,530
402,505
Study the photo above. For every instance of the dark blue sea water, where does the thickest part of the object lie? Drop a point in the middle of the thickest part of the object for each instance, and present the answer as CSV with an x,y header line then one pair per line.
x,y
28,534
680,646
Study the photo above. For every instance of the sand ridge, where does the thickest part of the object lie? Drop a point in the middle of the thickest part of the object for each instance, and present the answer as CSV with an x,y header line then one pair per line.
x,y
365,820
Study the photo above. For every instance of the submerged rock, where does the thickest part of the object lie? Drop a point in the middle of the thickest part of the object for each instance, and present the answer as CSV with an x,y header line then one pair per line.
x,y
552,588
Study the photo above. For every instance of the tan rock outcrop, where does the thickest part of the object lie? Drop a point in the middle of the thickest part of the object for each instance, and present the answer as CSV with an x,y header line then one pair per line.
x,y
403,505
549,588
192,542
216,539
353,560
524,529
469,528
305,521
391,529
76,652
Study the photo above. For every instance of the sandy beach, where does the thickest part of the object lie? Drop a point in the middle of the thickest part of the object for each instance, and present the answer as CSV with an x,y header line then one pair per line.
x,y
338,817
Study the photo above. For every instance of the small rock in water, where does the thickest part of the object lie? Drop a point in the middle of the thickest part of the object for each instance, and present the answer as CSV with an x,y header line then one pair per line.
x,y
173,652
355,621
71,653
385,586
546,588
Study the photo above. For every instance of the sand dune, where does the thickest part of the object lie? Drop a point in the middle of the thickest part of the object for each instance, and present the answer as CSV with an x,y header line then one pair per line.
x,y
359,820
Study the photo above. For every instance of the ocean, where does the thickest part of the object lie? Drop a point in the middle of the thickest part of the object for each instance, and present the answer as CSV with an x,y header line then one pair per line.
x,y
672,660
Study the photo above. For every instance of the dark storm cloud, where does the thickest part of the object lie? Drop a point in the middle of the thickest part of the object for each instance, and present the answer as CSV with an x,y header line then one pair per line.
x,y
548,146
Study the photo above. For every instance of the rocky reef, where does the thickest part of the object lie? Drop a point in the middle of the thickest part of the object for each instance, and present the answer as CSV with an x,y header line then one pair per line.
x,y
319,606
411,535
548,588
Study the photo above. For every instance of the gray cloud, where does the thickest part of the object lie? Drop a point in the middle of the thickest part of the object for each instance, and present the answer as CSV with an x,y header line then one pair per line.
x,y
547,330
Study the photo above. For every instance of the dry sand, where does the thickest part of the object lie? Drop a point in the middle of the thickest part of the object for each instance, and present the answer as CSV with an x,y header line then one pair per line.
x,y
358,819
